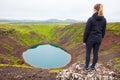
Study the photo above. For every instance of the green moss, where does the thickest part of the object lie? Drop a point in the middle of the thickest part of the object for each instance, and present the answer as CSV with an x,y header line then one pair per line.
x,y
20,66
117,66
70,34
4,65
12,58
114,47
19,62
2,55
114,27
55,70
8,47
117,59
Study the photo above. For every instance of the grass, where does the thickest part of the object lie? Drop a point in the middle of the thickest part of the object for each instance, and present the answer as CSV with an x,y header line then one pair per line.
x,y
114,27
8,47
20,66
4,22
70,35
117,66
29,34
117,59
55,70
2,55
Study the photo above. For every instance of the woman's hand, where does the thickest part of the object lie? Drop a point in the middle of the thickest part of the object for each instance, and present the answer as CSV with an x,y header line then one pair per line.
x,y
84,44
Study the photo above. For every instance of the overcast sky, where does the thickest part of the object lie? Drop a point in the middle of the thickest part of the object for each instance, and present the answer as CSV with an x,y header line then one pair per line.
x,y
56,9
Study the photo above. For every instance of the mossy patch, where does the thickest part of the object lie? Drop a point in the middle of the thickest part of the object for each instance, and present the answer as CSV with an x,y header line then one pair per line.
x,y
114,27
55,70
117,59
8,47
20,66
117,66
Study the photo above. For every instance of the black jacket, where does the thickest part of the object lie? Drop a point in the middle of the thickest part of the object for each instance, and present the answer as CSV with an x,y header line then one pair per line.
x,y
95,25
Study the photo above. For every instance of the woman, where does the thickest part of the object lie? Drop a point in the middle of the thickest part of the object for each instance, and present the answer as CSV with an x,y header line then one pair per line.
x,y
93,35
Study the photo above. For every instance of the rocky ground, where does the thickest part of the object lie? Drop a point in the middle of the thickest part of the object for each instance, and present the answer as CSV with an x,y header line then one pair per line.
x,y
77,72
15,73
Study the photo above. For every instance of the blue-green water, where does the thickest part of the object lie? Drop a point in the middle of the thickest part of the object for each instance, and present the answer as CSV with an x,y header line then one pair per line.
x,y
46,56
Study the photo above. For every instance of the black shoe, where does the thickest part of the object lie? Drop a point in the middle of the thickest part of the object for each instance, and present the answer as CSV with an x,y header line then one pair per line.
x,y
86,68
92,68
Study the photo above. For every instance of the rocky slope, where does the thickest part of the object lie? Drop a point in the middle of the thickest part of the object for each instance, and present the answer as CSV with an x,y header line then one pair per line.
x,y
77,72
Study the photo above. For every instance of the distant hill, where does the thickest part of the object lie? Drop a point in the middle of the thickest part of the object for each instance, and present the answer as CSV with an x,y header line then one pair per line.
x,y
57,20
40,21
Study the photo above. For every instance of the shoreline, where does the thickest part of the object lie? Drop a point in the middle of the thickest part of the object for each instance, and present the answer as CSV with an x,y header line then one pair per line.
x,y
71,61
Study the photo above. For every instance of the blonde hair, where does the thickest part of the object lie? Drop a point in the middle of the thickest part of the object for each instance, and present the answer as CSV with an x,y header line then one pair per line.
x,y
99,8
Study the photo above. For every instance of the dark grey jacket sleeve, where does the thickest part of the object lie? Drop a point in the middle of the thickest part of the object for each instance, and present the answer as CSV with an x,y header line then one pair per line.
x,y
87,30
104,29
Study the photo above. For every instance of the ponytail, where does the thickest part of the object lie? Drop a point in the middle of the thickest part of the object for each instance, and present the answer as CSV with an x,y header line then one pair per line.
x,y
99,8
100,12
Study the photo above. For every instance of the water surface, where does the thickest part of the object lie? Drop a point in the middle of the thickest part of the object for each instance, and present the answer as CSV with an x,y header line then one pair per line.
x,y
46,56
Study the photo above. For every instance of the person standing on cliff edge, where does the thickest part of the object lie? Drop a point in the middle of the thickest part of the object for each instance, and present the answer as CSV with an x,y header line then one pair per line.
x,y
94,33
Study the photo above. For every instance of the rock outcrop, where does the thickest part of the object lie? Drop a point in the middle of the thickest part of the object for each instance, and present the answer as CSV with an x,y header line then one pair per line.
x,y
77,72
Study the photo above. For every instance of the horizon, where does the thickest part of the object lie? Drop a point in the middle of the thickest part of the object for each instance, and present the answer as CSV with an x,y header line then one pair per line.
x,y
44,20
56,9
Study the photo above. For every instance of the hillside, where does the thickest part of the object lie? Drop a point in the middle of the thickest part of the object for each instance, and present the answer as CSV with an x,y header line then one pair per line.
x,y
71,38
16,38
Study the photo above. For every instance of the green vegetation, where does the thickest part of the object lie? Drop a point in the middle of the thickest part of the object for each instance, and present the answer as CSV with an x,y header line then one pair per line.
x,y
2,55
28,35
69,35
117,63
114,27
20,66
117,59
55,70
117,66
4,22
8,47
19,62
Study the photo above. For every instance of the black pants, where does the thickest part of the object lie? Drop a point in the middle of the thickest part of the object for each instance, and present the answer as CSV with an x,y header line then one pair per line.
x,y
89,46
